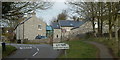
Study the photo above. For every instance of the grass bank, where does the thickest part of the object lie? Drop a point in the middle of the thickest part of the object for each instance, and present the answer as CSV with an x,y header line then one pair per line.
x,y
9,49
80,49
111,44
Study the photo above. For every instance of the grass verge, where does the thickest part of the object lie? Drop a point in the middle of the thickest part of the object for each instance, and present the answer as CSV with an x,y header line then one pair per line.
x,y
111,44
80,49
9,50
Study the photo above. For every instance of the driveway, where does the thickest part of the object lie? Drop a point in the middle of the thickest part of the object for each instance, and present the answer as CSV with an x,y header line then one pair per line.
x,y
33,51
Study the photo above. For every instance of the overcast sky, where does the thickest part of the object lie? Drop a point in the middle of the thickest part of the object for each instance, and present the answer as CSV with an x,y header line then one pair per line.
x,y
49,14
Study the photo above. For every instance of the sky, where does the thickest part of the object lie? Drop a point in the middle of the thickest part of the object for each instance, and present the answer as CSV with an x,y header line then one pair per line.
x,y
49,14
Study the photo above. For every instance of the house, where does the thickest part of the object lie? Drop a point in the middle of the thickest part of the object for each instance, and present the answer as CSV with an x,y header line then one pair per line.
x,y
67,27
64,28
86,26
56,32
30,28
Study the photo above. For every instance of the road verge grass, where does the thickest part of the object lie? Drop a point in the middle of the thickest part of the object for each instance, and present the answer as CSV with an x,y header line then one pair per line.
x,y
9,49
111,44
80,49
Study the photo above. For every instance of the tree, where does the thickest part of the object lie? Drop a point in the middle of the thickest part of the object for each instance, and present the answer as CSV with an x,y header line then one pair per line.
x,y
103,12
61,16
84,10
12,11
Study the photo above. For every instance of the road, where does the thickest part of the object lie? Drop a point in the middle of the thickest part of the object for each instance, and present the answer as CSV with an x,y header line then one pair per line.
x,y
34,51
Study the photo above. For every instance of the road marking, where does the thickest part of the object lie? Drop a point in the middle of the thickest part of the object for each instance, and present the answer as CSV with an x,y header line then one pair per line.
x,y
36,52
21,48
25,47
37,49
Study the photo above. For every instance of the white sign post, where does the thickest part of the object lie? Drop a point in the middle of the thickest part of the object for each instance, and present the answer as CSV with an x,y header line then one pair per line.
x,y
60,46
63,46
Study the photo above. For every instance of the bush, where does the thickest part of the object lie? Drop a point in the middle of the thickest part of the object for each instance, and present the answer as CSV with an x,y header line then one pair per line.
x,y
89,34
119,53
9,34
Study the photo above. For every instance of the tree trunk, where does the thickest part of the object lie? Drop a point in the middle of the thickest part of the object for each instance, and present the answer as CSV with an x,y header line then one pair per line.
x,y
101,28
93,25
116,30
110,30
99,21
110,21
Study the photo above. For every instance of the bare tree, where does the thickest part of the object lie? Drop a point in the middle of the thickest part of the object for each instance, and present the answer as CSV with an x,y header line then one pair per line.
x,y
61,16
12,11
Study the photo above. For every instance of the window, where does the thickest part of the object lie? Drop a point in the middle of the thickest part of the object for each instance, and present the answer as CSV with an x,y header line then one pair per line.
x,y
39,27
57,36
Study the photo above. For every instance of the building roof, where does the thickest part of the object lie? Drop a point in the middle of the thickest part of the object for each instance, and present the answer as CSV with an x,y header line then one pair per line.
x,y
55,25
49,28
69,23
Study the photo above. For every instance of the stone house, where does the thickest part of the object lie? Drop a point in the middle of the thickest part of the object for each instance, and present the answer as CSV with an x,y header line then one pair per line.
x,y
83,28
67,27
56,32
63,28
30,28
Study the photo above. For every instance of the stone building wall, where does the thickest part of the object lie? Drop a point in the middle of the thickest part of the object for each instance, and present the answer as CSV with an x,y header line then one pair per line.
x,y
30,29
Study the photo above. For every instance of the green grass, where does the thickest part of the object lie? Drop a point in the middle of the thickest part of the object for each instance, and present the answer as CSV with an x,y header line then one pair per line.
x,y
9,50
111,44
80,49
0,51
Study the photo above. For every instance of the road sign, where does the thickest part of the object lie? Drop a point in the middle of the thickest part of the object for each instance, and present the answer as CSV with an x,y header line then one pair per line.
x,y
60,46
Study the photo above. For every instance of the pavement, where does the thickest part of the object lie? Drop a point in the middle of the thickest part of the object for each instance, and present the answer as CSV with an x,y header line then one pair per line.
x,y
28,51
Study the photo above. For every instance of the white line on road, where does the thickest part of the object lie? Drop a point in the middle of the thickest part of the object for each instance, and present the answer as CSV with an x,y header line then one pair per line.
x,y
21,48
25,47
37,49
36,52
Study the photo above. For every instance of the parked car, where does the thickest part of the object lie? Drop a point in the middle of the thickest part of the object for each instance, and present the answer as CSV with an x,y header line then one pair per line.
x,y
40,37
18,41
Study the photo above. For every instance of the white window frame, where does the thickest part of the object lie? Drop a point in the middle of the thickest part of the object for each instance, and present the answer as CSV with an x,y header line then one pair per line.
x,y
39,27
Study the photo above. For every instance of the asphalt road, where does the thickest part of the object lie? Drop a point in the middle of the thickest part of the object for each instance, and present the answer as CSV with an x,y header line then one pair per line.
x,y
34,51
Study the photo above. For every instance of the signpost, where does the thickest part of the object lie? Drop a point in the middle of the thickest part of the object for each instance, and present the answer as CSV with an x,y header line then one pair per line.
x,y
63,46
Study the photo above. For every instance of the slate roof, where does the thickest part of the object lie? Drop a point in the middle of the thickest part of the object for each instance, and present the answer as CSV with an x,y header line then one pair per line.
x,y
55,25
69,23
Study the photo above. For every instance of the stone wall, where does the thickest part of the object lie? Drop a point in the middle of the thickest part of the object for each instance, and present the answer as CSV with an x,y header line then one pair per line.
x,y
86,27
57,33
29,30
37,41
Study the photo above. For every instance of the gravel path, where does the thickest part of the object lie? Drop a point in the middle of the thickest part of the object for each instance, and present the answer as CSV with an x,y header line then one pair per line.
x,y
104,52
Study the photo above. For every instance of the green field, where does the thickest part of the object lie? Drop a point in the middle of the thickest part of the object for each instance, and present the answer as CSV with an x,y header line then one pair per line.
x,y
80,49
9,50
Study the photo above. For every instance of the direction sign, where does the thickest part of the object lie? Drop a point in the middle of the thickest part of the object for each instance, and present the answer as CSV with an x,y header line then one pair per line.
x,y
60,46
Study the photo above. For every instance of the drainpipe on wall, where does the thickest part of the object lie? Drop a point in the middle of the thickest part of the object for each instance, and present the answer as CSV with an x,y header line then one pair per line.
x,y
23,34
19,33
61,35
